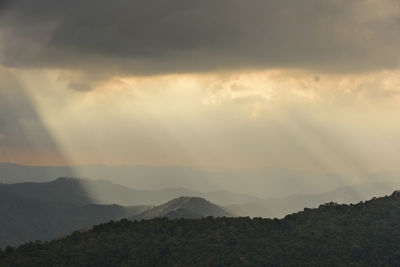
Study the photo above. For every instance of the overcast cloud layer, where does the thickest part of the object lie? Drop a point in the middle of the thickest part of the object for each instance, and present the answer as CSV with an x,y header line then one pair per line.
x,y
310,85
158,36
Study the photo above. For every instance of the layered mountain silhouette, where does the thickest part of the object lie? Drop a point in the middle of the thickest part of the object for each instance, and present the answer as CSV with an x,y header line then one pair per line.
x,y
280,207
136,176
30,211
364,234
44,211
271,183
84,191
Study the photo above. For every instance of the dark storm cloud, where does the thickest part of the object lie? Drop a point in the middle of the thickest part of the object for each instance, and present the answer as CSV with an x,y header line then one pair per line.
x,y
158,36
4,4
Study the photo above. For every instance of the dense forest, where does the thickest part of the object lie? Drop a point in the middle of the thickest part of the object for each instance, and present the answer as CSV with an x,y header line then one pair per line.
x,y
367,233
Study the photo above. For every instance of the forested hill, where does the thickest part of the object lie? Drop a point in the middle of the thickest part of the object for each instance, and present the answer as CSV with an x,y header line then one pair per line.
x,y
363,234
184,207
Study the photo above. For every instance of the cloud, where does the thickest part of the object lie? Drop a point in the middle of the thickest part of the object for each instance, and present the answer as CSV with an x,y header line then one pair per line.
x,y
80,86
154,36
4,4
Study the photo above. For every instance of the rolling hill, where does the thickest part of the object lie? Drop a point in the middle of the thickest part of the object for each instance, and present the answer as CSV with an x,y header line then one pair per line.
x,y
184,207
364,234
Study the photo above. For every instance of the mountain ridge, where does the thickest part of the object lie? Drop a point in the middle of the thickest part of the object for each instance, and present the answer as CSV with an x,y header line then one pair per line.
x,y
362,234
86,191
48,210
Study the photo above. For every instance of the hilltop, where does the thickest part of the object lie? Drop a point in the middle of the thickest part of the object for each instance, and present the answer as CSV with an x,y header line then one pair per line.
x,y
184,207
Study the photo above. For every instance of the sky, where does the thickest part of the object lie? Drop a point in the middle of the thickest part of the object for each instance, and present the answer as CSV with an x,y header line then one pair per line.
x,y
310,85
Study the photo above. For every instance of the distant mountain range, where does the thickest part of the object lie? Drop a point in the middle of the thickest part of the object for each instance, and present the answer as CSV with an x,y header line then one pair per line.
x,y
264,183
87,191
280,207
84,191
136,176
44,211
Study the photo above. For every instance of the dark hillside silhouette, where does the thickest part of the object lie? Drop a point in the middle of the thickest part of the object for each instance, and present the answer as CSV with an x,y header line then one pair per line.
x,y
364,234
